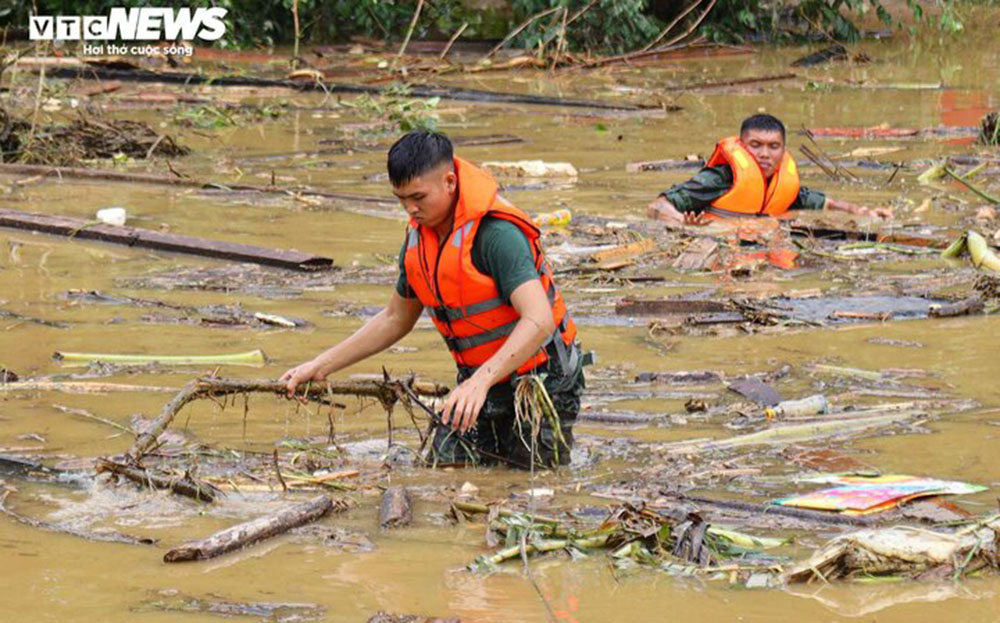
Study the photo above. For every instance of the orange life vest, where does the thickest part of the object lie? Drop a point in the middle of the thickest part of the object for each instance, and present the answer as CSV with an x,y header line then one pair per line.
x,y
463,303
751,194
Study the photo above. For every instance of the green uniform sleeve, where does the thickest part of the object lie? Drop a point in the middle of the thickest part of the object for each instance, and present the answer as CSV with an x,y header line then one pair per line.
x,y
501,250
808,200
701,190
402,285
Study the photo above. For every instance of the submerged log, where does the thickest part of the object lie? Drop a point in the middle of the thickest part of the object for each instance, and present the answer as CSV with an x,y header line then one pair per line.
x,y
250,532
396,509
145,238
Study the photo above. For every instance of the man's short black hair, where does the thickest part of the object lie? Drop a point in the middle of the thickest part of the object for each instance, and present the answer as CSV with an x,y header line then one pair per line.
x,y
417,153
767,123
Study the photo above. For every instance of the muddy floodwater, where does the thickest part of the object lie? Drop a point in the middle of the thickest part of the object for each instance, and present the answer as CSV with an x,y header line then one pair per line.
x,y
926,84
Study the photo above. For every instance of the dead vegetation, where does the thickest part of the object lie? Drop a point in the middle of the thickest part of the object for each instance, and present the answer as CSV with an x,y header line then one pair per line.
x,y
82,140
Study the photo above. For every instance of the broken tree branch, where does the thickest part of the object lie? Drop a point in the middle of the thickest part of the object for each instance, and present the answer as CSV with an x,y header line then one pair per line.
x,y
409,31
454,38
670,26
385,392
185,485
520,28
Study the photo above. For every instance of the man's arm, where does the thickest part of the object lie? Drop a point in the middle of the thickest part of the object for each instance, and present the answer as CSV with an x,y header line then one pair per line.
x,y
530,334
851,208
385,329
692,196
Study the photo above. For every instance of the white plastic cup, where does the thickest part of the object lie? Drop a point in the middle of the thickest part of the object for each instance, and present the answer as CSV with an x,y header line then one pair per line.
x,y
112,216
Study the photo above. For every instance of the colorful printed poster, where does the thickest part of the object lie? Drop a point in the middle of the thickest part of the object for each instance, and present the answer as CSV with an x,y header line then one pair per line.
x,y
868,494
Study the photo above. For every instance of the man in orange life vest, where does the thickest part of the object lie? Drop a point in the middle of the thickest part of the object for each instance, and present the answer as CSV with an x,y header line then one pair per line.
x,y
474,262
752,175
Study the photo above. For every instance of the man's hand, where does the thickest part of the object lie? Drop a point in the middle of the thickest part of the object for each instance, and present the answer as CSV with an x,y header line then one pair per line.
x,y
695,218
461,408
882,213
302,373
663,210
856,210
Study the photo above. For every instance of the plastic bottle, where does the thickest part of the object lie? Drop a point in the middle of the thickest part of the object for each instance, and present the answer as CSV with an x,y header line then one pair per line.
x,y
813,405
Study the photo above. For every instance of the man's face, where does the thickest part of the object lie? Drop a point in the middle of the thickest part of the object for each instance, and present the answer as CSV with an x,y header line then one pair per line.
x,y
428,198
767,146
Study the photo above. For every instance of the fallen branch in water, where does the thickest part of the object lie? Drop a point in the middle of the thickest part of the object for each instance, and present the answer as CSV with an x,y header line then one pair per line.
x,y
185,485
385,391
250,532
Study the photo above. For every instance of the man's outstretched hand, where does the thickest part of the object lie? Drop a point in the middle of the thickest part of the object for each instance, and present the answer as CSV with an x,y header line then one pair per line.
x,y
302,373
461,408
883,213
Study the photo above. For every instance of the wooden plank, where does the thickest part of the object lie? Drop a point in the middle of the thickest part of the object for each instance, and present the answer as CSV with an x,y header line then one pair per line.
x,y
144,238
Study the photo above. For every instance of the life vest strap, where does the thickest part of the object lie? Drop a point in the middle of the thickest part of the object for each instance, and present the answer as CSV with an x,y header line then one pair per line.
x,y
458,344
451,314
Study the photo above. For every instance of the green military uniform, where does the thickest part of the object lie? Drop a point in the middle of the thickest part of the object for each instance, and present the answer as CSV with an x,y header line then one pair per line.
x,y
501,251
710,183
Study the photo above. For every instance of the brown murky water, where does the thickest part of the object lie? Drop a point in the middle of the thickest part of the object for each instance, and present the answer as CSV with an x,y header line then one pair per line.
x,y
55,577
